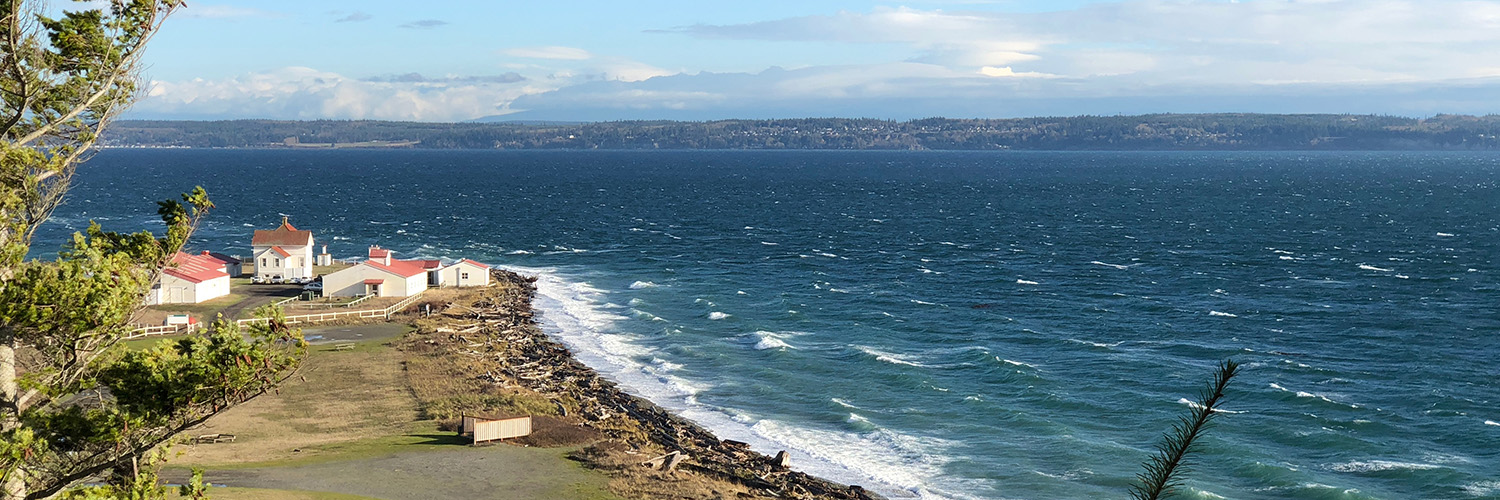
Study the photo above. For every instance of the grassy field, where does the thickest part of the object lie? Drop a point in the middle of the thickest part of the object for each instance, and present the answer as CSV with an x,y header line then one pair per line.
x,y
349,425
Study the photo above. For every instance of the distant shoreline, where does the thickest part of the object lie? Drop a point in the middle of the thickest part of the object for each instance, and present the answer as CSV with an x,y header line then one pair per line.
x,y
1160,132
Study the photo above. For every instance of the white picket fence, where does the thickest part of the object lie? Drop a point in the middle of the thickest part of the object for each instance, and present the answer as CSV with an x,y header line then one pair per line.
x,y
386,313
148,331
328,316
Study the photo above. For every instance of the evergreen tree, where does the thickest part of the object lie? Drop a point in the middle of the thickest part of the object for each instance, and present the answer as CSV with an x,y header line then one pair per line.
x,y
75,404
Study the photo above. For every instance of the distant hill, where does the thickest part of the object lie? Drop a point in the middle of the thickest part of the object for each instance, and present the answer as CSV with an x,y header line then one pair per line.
x,y
1193,132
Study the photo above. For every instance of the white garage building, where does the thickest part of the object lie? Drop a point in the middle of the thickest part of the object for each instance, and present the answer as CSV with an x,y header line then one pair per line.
x,y
190,279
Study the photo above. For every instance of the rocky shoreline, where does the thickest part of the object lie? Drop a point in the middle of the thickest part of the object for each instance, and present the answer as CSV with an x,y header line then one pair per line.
x,y
496,336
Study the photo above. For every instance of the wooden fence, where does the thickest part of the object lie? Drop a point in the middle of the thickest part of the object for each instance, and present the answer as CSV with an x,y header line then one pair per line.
x,y
147,331
386,313
328,316
345,305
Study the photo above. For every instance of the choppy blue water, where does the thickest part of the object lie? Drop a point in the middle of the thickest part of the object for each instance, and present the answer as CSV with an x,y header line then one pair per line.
x,y
961,325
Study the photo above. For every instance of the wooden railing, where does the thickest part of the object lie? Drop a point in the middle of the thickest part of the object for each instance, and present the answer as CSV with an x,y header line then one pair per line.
x,y
148,331
367,313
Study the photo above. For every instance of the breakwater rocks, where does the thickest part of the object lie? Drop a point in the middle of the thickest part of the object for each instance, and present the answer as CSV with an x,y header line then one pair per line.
x,y
495,337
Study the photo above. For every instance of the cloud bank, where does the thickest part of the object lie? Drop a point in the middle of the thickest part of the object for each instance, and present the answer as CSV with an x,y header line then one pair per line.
x,y
1368,56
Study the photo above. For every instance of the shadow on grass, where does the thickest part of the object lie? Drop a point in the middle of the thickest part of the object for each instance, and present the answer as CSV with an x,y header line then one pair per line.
x,y
438,439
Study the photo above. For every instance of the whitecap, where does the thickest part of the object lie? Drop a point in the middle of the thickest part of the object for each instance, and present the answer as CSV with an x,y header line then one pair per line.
x,y
973,398
1482,488
1492,422
642,284
716,315
1095,344
1026,282
770,244
1016,363
1380,466
1106,264
522,252
1446,235
923,302
1368,267
1195,405
892,358
845,404
771,340
1223,314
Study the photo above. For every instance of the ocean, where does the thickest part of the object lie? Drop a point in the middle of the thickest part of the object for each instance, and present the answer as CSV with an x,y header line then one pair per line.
x,y
977,325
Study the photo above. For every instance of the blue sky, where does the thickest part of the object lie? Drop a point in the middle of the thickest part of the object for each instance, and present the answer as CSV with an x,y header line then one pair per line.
x,y
587,60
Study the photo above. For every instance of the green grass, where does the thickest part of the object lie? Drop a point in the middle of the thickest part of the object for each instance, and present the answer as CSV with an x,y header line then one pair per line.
x,y
419,436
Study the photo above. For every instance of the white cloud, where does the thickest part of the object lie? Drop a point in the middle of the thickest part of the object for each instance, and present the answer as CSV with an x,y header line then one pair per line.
x,y
550,52
1202,41
298,93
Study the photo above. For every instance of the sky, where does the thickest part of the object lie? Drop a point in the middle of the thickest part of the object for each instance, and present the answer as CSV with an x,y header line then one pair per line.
x,y
574,60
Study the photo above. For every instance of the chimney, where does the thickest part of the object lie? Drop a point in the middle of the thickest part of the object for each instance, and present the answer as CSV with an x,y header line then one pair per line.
x,y
205,252
380,255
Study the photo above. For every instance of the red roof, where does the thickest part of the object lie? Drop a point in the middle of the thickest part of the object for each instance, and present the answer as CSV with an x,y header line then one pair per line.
x,y
379,253
281,251
474,262
195,268
227,259
428,264
284,235
402,268
374,281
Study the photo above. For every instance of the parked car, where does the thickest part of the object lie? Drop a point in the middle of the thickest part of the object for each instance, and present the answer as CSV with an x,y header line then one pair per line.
x,y
316,286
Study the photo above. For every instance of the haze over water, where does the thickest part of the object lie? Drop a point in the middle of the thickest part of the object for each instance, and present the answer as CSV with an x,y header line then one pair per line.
x,y
959,325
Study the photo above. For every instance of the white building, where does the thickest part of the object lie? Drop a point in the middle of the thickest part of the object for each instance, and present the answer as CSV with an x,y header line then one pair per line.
x,y
465,273
232,264
190,279
284,252
381,276
385,276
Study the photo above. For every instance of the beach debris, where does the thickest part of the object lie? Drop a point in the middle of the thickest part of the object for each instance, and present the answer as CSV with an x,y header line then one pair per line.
x,y
499,337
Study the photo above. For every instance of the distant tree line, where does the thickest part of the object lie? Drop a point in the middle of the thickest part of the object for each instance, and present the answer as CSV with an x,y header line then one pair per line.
x,y
1144,132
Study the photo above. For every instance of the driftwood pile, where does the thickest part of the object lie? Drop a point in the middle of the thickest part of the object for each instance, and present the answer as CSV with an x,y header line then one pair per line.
x,y
501,331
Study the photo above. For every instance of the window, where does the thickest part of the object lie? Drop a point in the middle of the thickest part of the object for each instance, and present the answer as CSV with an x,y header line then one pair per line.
x,y
463,276
301,261
278,262
262,262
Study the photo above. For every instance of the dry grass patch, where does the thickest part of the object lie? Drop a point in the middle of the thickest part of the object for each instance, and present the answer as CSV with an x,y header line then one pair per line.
x,y
339,397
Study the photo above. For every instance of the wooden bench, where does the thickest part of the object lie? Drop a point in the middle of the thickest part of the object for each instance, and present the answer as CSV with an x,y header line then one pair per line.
x,y
343,347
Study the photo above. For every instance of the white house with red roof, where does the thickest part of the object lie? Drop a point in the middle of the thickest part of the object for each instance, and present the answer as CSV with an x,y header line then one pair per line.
x,y
385,276
380,275
285,252
232,264
190,279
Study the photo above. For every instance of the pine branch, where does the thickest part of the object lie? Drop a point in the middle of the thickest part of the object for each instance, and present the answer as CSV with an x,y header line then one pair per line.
x,y
1164,470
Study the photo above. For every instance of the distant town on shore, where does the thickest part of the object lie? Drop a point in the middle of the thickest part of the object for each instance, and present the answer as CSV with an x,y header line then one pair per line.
x,y
1191,132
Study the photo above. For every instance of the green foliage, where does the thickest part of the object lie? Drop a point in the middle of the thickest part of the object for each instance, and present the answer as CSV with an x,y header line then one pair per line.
x,y
1164,470
74,403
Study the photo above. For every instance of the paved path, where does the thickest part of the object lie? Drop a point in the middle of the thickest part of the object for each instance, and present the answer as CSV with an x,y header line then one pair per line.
x,y
256,296
498,472
353,333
